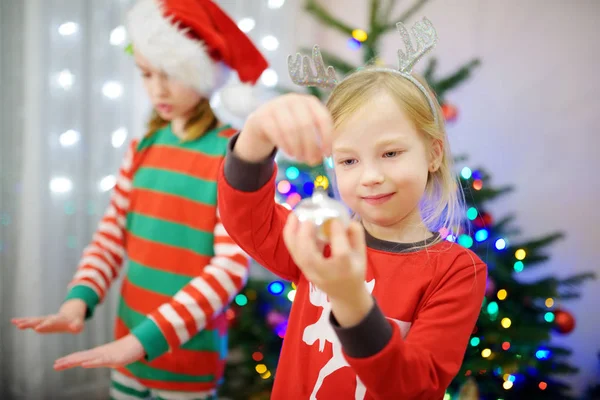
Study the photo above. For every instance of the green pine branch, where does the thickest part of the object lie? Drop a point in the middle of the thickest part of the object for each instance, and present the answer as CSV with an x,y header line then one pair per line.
x,y
577,280
441,86
405,15
484,194
325,17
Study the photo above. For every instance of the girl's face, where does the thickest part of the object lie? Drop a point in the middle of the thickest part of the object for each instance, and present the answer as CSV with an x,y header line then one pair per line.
x,y
170,98
381,165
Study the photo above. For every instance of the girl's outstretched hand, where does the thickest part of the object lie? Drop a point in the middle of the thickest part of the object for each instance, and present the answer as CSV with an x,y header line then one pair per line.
x,y
119,353
298,124
69,319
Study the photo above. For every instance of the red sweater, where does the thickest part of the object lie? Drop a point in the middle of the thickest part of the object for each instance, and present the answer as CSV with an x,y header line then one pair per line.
x,y
411,344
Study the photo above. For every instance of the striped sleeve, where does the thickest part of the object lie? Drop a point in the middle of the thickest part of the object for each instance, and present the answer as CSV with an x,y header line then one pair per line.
x,y
102,258
205,296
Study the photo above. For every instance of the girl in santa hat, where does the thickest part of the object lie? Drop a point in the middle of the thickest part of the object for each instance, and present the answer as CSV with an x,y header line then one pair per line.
x,y
183,269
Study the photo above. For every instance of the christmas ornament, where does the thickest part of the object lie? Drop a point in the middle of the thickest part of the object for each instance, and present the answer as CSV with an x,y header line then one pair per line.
x,y
483,220
321,210
564,322
469,390
450,112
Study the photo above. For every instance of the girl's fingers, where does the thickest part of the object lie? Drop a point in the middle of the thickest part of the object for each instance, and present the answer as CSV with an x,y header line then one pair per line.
x,y
287,131
26,323
340,245
308,133
323,122
52,324
307,250
356,237
73,360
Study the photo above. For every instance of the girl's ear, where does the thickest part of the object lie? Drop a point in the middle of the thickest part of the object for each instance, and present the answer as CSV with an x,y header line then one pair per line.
x,y
436,155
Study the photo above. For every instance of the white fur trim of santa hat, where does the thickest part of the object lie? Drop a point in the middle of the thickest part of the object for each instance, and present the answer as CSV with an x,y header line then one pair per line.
x,y
167,47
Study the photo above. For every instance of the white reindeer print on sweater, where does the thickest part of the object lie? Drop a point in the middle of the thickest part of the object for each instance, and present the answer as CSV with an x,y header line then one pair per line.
x,y
323,332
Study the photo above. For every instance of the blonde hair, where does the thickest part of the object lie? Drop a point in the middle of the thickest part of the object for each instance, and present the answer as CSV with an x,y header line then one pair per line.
x,y
202,120
442,203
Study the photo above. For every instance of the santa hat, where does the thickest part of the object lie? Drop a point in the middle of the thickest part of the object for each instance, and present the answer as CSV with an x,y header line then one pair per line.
x,y
195,42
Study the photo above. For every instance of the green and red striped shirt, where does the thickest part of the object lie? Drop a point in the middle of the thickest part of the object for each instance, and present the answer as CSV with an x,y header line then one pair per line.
x,y
183,268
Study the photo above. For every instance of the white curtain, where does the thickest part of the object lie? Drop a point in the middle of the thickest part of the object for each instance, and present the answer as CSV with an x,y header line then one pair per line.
x,y
70,101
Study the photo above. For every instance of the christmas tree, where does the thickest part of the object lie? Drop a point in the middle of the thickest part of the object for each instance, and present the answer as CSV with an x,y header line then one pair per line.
x,y
593,392
509,356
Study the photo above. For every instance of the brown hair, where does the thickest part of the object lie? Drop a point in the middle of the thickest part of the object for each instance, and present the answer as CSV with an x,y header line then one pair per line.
x,y
202,120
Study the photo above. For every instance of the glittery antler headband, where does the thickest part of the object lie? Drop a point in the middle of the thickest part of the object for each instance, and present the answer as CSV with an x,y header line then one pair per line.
x,y
323,77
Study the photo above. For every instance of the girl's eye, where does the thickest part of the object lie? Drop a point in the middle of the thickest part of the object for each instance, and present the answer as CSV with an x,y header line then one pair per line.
x,y
390,154
348,162
145,75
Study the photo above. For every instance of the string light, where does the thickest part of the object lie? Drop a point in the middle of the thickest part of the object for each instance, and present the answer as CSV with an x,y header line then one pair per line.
x,y
359,35
329,162
354,44
292,173
519,266
112,90
65,79
241,300
61,185
520,254
466,173
549,317
269,77
284,187
549,302
472,213
257,356
492,308
118,137
475,341
506,322
69,138
273,4
275,288
291,295
477,184
465,241
107,183
447,396
543,385
293,199
261,368
486,353
501,244
502,293
505,346
266,375
118,36
507,385
246,24
68,28
542,354
270,43
481,235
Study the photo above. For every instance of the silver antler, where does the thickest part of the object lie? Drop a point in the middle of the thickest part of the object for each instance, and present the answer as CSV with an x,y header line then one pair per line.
x,y
425,38
303,75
